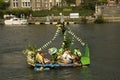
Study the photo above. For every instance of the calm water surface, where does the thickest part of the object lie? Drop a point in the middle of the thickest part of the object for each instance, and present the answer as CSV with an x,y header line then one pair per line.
x,y
103,40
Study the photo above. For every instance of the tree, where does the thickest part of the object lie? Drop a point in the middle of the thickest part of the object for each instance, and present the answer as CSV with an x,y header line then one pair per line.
x,y
102,1
1,0
3,5
63,2
89,4
70,1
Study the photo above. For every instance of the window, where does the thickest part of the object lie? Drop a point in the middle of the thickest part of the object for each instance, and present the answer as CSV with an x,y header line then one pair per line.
x,y
37,3
46,3
50,3
26,3
15,3
29,4
58,0
50,0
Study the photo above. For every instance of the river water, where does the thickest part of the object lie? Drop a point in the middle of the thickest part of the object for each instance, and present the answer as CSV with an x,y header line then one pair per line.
x,y
103,40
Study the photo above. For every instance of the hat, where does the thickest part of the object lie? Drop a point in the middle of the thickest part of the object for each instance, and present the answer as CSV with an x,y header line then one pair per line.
x,y
52,50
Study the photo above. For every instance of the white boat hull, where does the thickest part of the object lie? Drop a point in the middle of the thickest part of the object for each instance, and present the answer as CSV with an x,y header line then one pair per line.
x,y
15,21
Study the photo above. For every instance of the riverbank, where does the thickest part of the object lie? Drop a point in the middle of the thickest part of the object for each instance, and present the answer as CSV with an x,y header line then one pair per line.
x,y
58,19
67,20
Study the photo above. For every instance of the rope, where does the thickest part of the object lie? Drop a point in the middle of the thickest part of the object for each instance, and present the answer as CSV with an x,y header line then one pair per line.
x,y
76,37
48,43
57,33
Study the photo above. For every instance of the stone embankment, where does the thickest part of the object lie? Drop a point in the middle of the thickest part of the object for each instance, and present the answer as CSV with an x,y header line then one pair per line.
x,y
57,19
109,13
42,20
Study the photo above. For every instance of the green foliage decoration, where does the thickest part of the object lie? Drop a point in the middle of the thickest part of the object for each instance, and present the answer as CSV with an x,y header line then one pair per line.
x,y
4,5
84,20
99,19
30,48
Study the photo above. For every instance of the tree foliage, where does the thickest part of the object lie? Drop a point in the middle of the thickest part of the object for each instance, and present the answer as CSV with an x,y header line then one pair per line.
x,y
101,1
3,5
99,19
41,13
70,1
1,0
18,12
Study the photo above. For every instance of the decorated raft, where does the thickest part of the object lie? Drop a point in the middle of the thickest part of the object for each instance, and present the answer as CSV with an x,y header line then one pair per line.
x,y
31,52
85,61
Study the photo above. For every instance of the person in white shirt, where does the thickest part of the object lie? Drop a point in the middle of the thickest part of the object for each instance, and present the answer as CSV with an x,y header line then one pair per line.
x,y
67,57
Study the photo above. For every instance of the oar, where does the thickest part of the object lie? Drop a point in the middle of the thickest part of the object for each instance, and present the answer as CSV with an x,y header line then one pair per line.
x,y
85,59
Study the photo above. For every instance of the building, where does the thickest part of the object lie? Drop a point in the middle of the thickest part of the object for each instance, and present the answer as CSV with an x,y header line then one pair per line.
x,y
6,0
44,4
35,5
20,4
113,2
112,9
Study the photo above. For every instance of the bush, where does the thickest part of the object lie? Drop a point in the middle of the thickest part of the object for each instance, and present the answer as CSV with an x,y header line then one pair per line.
x,y
41,13
99,19
65,10
1,13
18,12
84,20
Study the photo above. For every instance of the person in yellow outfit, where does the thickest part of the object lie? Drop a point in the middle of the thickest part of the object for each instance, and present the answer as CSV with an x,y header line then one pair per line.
x,y
40,58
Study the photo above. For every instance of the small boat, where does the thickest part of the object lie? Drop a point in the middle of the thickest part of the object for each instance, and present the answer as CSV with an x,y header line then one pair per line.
x,y
84,60
15,21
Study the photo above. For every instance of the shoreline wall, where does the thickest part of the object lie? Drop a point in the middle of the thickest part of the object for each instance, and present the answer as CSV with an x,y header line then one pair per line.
x,y
42,20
